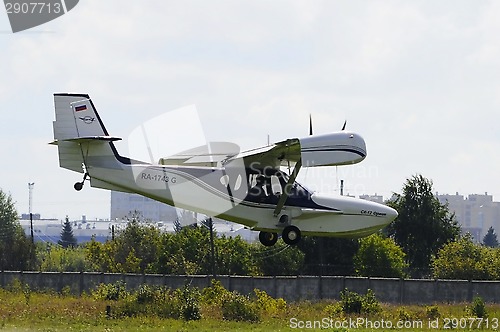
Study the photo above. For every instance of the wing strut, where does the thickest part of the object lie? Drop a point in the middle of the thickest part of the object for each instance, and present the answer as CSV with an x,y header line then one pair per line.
x,y
287,188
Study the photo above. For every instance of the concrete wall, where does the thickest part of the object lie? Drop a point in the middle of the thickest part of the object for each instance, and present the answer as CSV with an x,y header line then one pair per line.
x,y
389,290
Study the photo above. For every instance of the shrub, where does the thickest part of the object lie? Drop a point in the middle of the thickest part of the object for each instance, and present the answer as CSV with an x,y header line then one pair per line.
x,y
66,291
478,308
334,309
15,286
27,293
354,303
237,307
146,294
215,293
404,315
190,307
379,257
150,301
268,304
464,259
432,312
111,292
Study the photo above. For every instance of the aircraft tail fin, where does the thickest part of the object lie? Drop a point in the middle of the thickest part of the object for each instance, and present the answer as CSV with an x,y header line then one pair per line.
x,y
79,132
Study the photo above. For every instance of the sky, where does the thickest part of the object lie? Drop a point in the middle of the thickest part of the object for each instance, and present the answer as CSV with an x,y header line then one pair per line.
x,y
419,80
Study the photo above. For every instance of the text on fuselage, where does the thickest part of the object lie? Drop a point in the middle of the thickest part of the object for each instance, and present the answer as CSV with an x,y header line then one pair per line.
x,y
373,213
158,177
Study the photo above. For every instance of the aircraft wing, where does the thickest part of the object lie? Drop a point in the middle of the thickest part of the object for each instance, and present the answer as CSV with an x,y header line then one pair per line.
x,y
285,153
209,155
340,148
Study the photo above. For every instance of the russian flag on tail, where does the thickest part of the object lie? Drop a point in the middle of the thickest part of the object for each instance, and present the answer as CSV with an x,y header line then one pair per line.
x,y
80,108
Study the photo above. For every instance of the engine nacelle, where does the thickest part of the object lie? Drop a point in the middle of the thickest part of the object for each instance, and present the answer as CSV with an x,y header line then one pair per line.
x,y
340,148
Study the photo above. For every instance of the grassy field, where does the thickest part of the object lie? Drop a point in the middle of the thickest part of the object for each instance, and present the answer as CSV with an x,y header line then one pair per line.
x,y
24,310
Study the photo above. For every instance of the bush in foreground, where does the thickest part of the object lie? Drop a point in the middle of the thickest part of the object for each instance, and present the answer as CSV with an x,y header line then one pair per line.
x,y
477,308
354,303
237,307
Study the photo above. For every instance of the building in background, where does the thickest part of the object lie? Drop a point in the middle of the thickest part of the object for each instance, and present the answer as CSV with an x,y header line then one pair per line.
x,y
373,198
475,213
123,204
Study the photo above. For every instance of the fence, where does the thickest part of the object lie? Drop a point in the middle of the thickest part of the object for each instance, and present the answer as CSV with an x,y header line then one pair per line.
x,y
389,290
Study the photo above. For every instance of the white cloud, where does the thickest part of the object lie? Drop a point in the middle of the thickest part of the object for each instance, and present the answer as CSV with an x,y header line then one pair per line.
x,y
419,80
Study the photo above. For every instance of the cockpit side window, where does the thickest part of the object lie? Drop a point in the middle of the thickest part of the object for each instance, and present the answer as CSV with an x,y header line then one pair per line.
x,y
276,185
273,184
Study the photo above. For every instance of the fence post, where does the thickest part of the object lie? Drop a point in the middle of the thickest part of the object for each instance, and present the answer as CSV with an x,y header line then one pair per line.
x,y
436,287
320,287
81,283
275,295
469,291
60,282
298,288
401,290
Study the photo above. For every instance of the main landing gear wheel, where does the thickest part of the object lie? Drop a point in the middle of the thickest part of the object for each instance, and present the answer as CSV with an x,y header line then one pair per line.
x,y
291,235
268,239
79,185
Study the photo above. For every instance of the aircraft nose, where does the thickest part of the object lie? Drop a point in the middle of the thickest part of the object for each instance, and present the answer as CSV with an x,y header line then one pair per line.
x,y
391,214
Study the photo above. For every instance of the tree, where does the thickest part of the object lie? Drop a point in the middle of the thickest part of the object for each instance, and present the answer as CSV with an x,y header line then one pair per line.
x,y
234,256
490,239
135,249
278,260
67,237
464,259
16,250
327,255
380,257
58,259
423,225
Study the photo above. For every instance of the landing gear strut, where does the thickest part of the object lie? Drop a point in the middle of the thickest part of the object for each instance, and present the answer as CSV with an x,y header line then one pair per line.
x,y
79,185
267,238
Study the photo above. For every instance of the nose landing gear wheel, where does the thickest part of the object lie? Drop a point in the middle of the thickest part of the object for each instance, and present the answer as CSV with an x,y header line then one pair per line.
x,y
268,239
291,235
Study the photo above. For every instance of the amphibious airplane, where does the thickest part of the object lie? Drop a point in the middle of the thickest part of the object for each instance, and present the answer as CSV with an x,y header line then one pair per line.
x,y
250,188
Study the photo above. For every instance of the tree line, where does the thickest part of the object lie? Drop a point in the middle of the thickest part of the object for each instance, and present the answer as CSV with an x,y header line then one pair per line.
x,y
424,241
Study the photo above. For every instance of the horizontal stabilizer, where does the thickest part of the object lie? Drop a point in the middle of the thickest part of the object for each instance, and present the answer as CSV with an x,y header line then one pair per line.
x,y
89,139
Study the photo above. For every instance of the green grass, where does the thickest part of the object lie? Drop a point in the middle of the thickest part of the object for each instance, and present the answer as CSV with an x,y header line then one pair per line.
x,y
25,310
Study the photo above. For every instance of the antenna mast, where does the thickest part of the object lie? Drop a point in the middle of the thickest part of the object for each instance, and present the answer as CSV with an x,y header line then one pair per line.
x,y
31,185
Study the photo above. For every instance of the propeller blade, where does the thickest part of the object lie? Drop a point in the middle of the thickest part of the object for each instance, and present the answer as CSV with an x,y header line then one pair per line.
x,y
310,125
343,127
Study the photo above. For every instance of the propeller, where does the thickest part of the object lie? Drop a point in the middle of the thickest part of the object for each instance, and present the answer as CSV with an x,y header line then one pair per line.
x,y
310,125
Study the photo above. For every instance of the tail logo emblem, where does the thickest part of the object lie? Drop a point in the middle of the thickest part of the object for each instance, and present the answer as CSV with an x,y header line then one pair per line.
x,y
25,15
87,119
